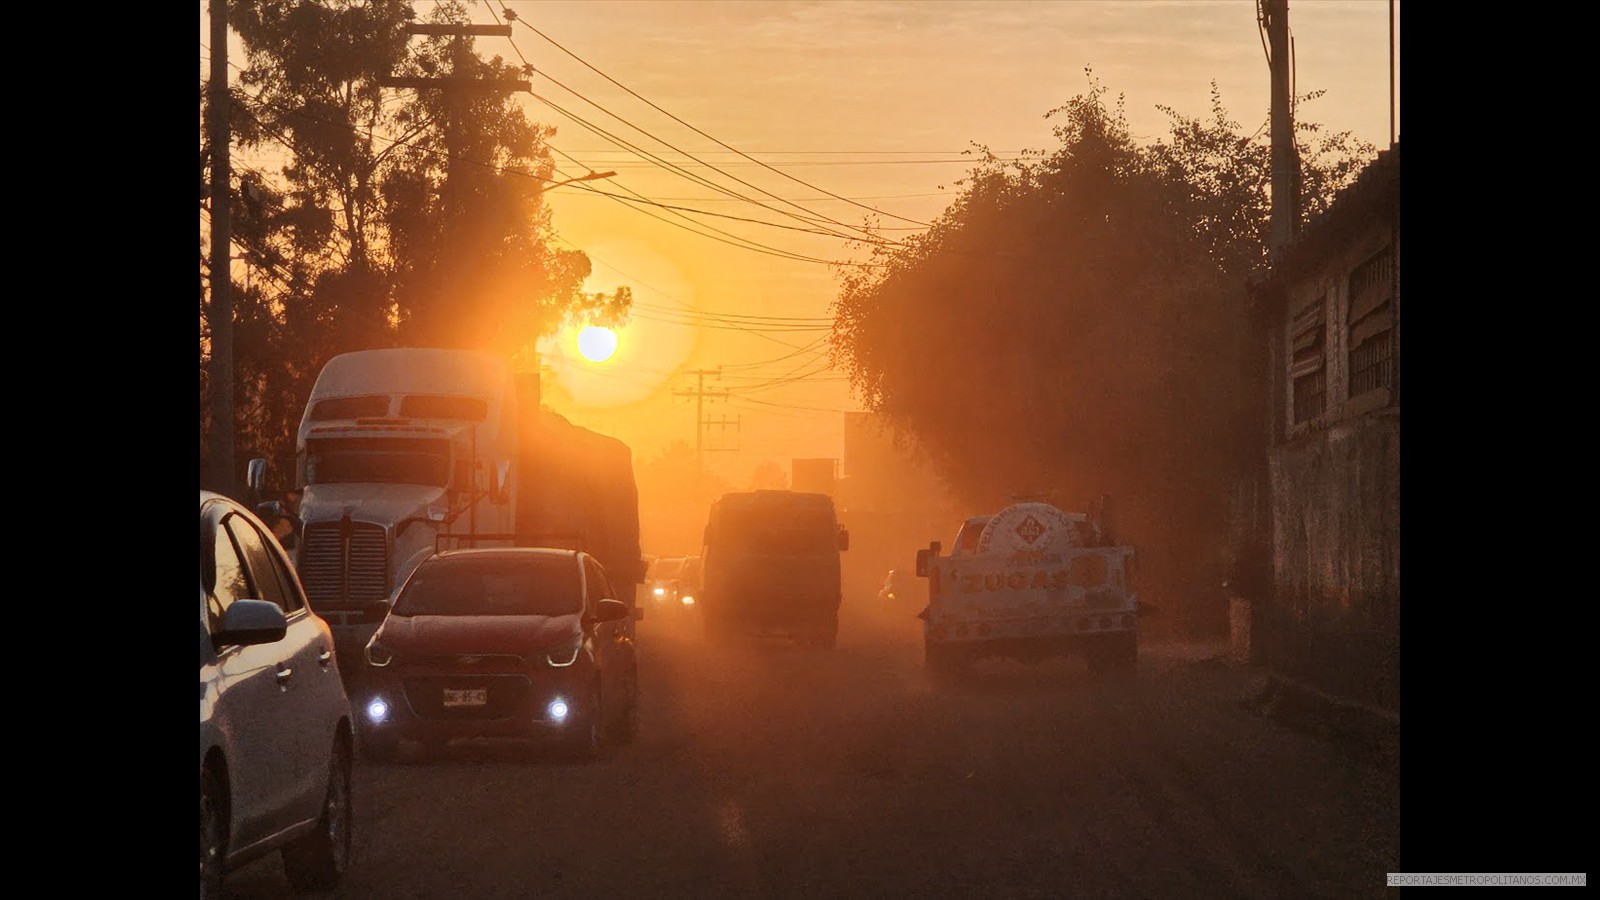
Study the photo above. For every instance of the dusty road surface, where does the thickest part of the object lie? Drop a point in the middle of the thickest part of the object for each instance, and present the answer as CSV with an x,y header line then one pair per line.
x,y
769,770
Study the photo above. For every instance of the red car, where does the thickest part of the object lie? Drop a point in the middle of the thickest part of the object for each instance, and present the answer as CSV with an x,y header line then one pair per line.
x,y
525,644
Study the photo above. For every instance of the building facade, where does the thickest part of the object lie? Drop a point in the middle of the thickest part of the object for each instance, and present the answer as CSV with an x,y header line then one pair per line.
x,y
1330,312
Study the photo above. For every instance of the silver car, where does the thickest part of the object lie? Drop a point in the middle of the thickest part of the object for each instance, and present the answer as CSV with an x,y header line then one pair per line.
x,y
275,724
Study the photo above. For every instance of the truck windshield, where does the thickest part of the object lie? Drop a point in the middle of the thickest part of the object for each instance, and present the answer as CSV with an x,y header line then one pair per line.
x,y
378,461
779,532
531,586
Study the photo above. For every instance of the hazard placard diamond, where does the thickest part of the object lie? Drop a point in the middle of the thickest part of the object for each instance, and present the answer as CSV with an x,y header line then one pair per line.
x,y
1030,529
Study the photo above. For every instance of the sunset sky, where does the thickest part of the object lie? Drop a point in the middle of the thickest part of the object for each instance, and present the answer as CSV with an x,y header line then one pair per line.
x,y
871,100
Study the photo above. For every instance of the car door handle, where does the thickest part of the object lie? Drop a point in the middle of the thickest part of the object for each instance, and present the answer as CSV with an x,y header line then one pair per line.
x,y
283,674
325,657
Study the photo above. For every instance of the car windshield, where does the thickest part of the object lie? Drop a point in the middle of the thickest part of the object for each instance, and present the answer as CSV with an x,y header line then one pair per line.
x,y
494,586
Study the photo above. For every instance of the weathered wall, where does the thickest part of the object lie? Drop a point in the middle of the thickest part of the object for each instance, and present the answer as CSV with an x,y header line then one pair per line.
x,y
1334,620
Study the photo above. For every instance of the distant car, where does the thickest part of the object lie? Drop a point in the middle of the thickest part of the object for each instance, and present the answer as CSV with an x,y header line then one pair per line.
x,y
275,725
526,644
895,586
673,582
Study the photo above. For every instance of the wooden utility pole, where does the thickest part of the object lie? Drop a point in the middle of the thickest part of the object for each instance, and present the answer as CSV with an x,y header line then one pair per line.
x,y
456,87
219,470
457,82
699,393
1285,218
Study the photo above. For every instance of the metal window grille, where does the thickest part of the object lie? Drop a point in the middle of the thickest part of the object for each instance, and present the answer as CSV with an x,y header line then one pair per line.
x,y
1372,349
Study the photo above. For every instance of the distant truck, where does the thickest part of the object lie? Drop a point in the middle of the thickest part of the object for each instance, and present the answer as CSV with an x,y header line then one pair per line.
x,y
405,452
1029,582
771,566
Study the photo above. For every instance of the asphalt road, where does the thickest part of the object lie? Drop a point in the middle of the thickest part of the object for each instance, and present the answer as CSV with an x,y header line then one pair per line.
x,y
770,770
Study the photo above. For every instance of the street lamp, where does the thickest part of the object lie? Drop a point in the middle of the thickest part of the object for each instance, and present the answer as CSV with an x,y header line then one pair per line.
x,y
592,176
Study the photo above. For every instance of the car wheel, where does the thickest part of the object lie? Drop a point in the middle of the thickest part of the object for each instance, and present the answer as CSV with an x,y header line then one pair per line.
x,y
588,733
828,638
626,726
213,835
1115,654
318,860
943,663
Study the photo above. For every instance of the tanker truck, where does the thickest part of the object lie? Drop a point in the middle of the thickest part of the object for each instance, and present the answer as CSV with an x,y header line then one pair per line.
x,y
1028,582
405,452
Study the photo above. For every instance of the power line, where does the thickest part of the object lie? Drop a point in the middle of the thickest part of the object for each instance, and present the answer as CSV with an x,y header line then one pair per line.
x,y
733,239
674,118
814,217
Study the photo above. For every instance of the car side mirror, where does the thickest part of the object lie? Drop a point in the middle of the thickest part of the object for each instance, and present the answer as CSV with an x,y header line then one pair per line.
x,y
255,477
251,622
500,482
609,610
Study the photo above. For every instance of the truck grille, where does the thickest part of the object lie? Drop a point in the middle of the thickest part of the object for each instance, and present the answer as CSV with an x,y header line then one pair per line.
x,y
344,565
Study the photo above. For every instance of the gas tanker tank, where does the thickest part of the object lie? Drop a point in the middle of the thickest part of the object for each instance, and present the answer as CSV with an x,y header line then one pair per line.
x,y
1034,531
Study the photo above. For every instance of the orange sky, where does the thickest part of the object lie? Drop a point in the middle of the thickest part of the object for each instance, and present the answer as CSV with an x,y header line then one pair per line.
x,y
872,100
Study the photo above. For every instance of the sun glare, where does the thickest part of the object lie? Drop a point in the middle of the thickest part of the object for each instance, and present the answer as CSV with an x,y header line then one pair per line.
x,y
597,343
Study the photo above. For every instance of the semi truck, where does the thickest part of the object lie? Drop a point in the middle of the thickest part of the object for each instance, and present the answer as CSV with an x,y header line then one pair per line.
x,y
771,566
402,453
1028,582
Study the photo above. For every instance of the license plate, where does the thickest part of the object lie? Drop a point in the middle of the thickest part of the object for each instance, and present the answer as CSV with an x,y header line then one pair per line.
x,y
468,697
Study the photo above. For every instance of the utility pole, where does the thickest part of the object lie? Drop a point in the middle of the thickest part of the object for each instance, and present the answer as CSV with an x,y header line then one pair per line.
x,y
699,393
725,423
1285,217
456,87
219,470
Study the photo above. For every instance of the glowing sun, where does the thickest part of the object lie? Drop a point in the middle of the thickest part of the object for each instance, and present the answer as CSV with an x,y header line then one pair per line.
x,y
597,343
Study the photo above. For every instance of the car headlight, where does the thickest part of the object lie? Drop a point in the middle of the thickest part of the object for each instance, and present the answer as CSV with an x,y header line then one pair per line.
x,y
661,592
378,655
564,655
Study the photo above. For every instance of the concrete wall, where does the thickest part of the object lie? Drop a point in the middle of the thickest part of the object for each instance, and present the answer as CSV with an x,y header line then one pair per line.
x,y
1334,619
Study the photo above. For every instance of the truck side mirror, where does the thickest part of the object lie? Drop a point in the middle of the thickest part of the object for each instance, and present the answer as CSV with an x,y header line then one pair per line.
x,y
925,559
844,539
255,476
500,482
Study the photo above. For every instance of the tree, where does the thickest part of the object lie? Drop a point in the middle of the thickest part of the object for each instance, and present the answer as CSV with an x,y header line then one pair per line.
x,y
394,216
1073,325
769,476
675,499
